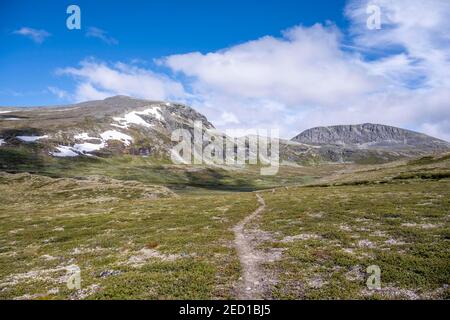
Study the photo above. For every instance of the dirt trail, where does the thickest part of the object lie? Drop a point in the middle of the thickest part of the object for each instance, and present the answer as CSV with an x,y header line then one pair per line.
x,y
251,284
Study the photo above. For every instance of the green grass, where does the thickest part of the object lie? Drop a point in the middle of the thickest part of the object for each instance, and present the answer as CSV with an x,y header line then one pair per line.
x,y
349,217
99,236
30,158
401,227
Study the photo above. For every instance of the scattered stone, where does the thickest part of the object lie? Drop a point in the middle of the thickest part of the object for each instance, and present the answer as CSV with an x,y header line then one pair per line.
x,y
109,273
365,244
48,257
344,227
316,215
53,291
85,292
303,236
16,231
349,250
423,226
355,274
316,283
394,242
147,254
393,293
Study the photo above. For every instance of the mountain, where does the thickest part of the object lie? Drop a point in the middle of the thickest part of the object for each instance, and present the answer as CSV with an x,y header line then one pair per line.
x,y
369,135
122,125
369,141
114,125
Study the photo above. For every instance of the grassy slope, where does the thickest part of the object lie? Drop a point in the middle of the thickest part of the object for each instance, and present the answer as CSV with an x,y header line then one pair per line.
x,y
156,171
337,231
41,232
401,225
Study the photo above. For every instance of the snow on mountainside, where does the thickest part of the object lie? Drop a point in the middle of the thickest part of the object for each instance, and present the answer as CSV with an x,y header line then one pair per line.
x,y
123,125
115,125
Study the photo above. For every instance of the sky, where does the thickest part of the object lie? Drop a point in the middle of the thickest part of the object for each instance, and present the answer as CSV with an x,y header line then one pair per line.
x,y
285,64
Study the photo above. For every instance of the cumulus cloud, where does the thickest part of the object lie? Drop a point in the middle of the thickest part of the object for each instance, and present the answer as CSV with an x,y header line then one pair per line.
x,y
266,82
308,76
98,33
36,35
97,80
305,66
418,30
398,75
416,44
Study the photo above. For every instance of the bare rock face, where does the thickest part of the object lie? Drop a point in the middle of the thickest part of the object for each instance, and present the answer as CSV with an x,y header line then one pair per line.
x,y
370,136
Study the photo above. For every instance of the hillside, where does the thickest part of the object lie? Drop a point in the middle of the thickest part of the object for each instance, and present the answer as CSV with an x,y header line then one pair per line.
x,y
365,143
116,125
122,125
307,242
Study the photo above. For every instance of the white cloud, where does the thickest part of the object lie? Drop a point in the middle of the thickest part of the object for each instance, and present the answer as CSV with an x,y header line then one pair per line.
x,y
97,80
227,118
36,35
61,94
399,75
415,36
418,29
94,32
305,66
423,110
309,76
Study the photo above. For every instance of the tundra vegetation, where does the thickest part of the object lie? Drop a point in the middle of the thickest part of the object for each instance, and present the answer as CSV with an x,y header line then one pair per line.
x,y
142,228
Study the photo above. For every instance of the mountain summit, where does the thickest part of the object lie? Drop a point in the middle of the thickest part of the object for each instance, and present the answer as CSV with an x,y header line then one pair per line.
x,y
369,143
116,125
370,136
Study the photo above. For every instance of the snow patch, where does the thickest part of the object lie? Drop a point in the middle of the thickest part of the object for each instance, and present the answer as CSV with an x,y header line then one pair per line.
x,y
85,136
64,151
134,117
6,111
2,141
88,147
31,138
153,111
116,135
131,118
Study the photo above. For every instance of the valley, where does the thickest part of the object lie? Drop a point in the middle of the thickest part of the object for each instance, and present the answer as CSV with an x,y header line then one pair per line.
x,y
92,186
132,240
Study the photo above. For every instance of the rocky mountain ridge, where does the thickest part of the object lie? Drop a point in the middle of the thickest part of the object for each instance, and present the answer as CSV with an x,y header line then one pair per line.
x,y
361,142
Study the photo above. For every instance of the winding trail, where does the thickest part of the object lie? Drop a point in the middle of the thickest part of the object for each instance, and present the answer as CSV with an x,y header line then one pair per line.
x,y
251,286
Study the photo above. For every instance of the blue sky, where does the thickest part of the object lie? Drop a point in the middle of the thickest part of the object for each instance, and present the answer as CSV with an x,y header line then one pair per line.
x,y
288,64
144,30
